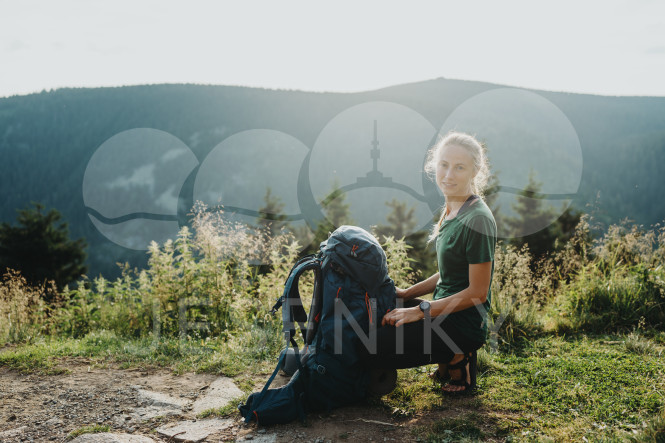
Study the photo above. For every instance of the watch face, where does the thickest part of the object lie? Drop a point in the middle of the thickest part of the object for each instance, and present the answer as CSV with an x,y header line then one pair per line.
x,y
424,306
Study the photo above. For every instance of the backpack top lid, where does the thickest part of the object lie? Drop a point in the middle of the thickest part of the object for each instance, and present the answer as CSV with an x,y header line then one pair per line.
x,y
359,254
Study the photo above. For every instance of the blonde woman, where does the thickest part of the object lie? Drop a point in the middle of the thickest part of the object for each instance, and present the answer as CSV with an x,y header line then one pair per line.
x,y
449,329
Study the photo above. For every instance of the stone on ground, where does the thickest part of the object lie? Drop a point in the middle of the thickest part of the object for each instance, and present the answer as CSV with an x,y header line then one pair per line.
x,y
263,438
10,433
219,394
160,399
194,430
158,404
107,437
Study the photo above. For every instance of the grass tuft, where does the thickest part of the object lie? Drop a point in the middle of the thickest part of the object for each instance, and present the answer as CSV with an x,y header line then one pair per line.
x,y
92,429
231,408
458,429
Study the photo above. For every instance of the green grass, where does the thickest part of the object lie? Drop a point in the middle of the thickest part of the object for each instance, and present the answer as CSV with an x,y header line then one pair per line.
x,y
655,431
463,428
580,387
225,411
602,387
92,429
230,358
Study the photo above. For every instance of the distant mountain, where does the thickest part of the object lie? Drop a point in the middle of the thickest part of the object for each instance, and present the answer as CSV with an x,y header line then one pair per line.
x,y
126,163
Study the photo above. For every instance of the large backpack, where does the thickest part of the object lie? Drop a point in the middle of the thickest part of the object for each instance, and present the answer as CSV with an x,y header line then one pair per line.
x,y
352,293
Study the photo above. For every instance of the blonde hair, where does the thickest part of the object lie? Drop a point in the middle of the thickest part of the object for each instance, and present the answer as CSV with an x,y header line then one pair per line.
x,y
480,164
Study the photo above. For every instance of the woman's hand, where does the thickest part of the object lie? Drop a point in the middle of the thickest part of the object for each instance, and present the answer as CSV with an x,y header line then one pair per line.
x,y
422,288
398,317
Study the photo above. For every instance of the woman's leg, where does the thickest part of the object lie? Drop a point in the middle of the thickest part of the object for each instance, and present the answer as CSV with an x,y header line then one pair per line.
x,y
455,374
462,371
407,346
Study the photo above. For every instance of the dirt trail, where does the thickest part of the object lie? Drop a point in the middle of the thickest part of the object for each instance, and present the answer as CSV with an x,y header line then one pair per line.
x,y
48,407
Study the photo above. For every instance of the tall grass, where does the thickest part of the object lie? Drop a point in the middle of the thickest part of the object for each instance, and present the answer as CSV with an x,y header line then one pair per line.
x,y
205,282
23,313
515,301
399,262
220,279
621,287
615,283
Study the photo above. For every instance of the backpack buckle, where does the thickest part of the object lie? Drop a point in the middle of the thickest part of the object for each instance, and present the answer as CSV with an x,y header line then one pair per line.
x,y
321,369
277,306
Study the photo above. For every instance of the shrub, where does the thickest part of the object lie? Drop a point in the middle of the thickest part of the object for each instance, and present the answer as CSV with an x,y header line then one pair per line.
x,y
399,263
23,312
203,283
630,245
615,286
567,262
618,302
514,301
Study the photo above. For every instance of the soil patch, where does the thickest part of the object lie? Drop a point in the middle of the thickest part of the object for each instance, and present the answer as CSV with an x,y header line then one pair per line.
x,y
48,407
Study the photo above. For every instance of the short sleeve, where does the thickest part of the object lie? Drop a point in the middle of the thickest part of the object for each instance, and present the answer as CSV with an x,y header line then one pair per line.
x,y
481,240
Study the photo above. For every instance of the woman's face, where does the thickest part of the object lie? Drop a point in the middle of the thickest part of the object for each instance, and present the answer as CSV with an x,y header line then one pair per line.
x,y
454,171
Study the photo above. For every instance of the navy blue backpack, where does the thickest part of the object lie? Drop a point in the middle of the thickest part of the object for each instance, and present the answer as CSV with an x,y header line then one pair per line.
x,y
352,293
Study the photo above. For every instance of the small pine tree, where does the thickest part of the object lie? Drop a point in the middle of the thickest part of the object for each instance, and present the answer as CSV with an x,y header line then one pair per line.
x,y
530,213
271,215
490,197
401,225
337,213
39,247
336,209
401,221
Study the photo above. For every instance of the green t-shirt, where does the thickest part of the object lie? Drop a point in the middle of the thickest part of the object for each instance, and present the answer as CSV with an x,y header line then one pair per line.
x,y
467,239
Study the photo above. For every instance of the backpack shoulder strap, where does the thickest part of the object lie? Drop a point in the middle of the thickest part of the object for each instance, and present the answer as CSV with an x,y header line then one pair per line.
x,y
293,312
295,272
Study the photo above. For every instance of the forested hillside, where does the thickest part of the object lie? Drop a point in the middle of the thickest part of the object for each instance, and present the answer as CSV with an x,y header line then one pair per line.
x,y
47,141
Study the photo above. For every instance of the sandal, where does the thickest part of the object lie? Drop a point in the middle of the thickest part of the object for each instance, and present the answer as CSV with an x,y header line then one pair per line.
x,y
468,367
438,376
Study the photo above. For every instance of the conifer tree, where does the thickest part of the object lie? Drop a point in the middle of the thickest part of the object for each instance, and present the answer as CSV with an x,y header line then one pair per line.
x,y
401,224
39,247
337,213
531,213
491,195
271,214
401,220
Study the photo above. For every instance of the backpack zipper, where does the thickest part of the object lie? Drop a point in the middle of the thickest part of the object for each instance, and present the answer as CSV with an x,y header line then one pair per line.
x,y
369,308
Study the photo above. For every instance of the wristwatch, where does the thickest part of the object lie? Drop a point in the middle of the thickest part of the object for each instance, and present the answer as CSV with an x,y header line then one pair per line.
x,y
425,306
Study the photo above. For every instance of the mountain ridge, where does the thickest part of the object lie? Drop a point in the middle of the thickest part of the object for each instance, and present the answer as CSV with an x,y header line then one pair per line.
x,y
47,139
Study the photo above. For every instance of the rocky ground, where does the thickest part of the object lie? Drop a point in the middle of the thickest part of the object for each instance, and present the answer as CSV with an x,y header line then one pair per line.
x,y
155,405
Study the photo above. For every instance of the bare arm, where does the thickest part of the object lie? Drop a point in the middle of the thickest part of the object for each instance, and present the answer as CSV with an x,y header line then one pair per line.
x,y
476,293
422,288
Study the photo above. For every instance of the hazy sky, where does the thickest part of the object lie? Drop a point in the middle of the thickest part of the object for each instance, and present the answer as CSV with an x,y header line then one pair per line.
x,y
599,47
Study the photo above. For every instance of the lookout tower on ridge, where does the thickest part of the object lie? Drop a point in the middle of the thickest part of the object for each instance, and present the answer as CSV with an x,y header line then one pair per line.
x,y
374,177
